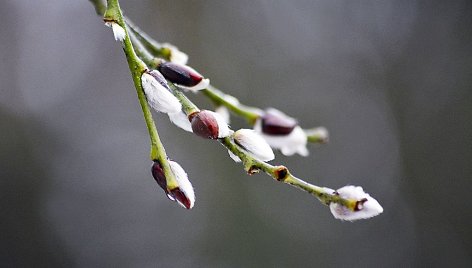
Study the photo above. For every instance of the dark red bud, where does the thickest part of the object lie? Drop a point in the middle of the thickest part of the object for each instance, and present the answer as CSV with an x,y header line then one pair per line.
x,y
204,124
174,194
178,195
180,74
159,176
274,124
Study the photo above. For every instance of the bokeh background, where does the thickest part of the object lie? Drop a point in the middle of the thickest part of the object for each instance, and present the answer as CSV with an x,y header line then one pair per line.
x,y
391,80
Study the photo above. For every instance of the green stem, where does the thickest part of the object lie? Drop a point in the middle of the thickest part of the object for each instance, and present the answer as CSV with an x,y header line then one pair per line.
x,y
137,68
279,173
99,6
250,114
218,98
282,174
251,165
154,47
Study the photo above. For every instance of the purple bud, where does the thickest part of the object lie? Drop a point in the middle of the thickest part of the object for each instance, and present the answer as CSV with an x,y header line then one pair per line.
x,y
180,74
209,125
276,123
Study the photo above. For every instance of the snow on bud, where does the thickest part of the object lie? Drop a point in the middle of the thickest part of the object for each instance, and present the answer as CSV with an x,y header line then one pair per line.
x,y
282,132
158,93
183,76
180,119
118,31
176,55
183,193
254,144
366,206
209,125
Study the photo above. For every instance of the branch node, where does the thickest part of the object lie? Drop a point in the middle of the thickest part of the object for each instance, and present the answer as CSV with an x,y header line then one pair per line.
x,y
281,173
253,170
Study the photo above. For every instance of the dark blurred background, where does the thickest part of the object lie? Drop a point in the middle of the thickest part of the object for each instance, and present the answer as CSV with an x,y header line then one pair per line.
x,y
391,80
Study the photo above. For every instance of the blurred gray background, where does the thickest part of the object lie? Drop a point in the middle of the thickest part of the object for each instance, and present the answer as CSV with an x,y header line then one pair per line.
x,y
391,80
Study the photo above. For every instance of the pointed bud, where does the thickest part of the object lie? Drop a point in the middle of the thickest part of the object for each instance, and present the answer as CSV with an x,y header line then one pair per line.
x,y
176,55
209,125
118,31
158,93
254,144
183,194
276,123
183,76
366,206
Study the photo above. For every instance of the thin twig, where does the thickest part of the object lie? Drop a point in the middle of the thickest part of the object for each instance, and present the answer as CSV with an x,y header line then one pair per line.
x,y
137,68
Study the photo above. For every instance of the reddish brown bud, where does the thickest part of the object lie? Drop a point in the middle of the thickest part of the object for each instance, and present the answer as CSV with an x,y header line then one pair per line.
x,y
180,74
209,125
183,194
180,196
277,124
159,176
204,124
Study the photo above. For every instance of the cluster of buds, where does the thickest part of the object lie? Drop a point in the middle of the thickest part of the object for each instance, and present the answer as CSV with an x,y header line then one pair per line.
x,y
272,129
282,132
160,97
183,193
366,206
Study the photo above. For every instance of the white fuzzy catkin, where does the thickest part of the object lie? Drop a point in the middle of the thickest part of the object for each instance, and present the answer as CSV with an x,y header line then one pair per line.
x,y
184,183
223,128
254,144
118,32
290,144
224,113
176,55
320,132
159,97
180,119
368,209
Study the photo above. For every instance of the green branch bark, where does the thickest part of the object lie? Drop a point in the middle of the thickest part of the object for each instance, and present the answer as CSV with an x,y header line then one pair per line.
x,y
137,68
251,165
